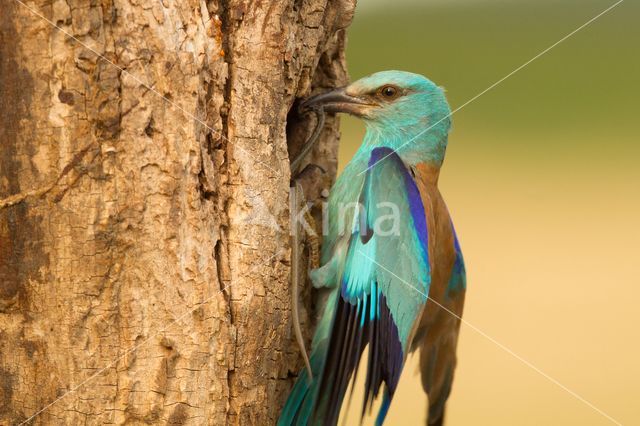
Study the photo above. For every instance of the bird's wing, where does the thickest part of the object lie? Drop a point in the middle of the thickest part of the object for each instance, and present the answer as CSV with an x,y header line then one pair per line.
x,y
384,278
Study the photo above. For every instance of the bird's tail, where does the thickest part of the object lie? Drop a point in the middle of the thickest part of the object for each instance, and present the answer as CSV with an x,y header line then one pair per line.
x,y
384,409
301,404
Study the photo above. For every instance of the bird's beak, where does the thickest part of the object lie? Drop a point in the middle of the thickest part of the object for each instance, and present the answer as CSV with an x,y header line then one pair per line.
x,y
337,100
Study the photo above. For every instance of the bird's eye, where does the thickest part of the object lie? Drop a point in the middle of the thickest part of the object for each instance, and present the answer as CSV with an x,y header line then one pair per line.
x,y
389,91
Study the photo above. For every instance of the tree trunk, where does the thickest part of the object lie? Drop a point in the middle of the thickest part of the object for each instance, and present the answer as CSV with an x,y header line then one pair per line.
x,y
144,213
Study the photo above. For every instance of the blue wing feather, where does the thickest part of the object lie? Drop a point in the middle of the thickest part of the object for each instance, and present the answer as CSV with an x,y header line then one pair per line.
x,y
374,308
458,279
372,303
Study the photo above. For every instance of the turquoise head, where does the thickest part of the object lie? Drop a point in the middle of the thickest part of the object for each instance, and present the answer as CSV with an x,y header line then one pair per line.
x,y
404,111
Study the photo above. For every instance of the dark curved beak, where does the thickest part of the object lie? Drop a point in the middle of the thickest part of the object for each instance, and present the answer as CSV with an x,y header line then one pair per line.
x,y
336,100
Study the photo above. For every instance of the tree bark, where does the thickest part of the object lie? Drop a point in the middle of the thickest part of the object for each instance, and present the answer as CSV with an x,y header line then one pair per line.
x,y
144,213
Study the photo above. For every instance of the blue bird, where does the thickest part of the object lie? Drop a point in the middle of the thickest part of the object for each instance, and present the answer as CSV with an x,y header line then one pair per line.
x,y
391,258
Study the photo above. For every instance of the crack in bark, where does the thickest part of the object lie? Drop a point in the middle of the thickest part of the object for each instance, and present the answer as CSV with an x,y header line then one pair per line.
x,y
226,52
44,190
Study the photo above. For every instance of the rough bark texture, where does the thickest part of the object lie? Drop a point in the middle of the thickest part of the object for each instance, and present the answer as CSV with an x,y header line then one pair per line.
x,y
144,214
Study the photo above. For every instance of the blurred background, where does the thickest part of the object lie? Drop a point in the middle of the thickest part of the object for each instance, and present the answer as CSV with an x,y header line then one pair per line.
x,y
542,178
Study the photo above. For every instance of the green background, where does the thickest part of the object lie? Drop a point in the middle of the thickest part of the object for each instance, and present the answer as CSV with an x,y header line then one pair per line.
x,y
542,178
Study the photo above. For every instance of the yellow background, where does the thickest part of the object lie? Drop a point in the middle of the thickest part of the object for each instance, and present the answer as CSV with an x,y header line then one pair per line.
x,y
542,178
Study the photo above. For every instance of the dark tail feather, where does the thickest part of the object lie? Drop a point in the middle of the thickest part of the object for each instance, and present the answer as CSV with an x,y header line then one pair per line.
x,y
384,409
437,422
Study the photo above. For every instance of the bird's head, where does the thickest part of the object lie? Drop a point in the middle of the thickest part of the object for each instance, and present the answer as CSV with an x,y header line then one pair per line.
x,y
396,107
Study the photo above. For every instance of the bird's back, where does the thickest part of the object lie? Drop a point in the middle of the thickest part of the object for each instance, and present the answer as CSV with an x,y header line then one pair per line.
x,y
437,333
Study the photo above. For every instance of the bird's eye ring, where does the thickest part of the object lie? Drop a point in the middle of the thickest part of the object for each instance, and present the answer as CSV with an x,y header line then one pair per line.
x,y
389,91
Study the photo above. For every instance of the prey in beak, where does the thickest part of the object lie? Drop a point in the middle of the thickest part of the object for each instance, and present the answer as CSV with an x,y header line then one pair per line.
x,y
337,100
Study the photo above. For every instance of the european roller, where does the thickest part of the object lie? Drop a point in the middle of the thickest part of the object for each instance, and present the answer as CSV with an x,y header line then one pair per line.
x,y
391,258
